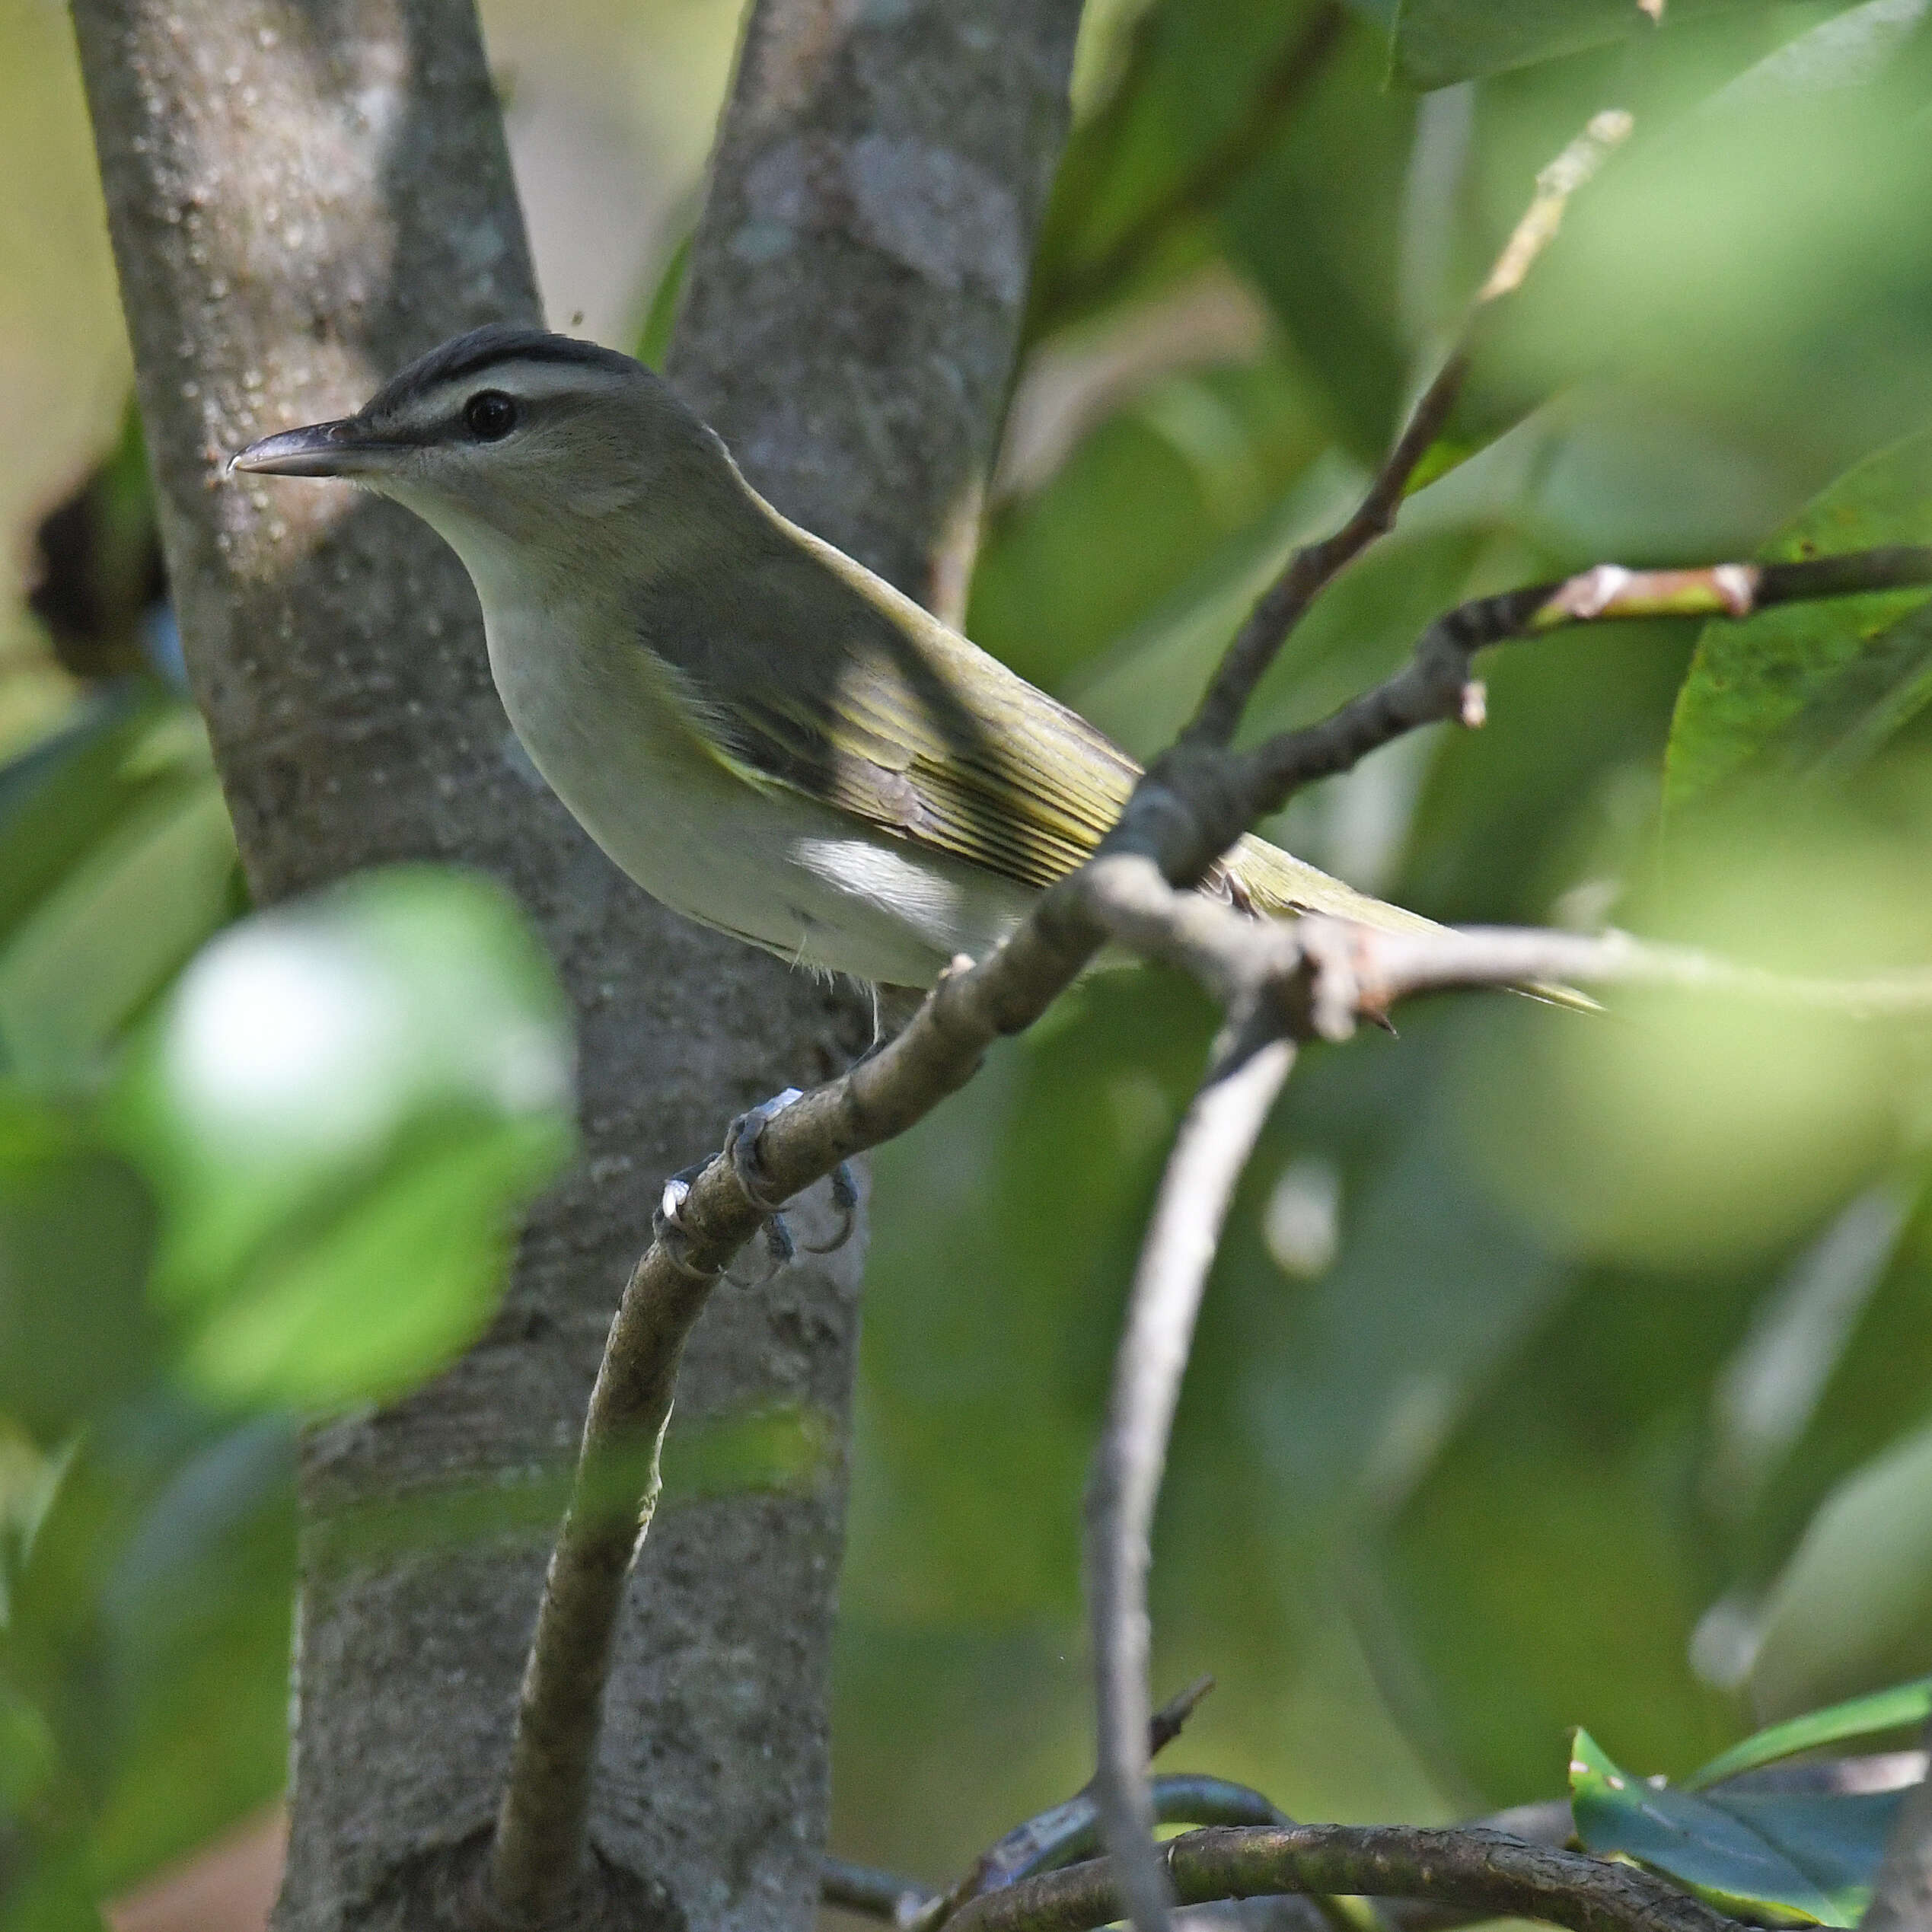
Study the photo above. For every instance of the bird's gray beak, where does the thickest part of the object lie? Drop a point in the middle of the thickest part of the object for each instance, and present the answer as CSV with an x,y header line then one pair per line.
x,y
343,448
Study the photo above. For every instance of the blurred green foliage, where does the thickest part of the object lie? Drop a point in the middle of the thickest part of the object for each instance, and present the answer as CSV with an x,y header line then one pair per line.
x,y
1555,1372
281,1178
1621,1320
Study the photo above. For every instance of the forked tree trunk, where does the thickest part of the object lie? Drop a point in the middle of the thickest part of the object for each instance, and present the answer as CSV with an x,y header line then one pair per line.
x,y
304,194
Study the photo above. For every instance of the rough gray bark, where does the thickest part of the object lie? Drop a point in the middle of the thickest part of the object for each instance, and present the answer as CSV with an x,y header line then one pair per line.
x,y
858,277
302,195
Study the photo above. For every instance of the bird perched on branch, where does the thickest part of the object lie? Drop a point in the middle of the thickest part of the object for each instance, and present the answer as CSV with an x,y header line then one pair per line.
x,y
765,736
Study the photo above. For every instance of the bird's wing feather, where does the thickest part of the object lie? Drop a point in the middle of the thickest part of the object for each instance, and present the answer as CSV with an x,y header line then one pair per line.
x,y
803,670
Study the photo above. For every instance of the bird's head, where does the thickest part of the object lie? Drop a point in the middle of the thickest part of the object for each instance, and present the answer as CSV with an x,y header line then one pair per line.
x,y
527,452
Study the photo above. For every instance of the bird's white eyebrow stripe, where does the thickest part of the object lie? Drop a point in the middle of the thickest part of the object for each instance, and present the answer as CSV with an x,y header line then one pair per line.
x,y
520,376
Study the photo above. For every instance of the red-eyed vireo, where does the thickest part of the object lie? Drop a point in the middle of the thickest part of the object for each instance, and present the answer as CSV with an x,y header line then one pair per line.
x,y
764,736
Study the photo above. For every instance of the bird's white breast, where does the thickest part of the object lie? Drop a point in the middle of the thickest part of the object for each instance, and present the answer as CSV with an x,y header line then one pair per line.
x,y
601,721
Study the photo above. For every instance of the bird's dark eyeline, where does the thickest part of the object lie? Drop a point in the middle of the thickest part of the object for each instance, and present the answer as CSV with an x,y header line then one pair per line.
x,y
483,348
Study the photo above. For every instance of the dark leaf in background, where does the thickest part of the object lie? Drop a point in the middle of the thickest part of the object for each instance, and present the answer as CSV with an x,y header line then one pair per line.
x,y
116,860
1317,227
1436,42
1814,688
101,576
77,1229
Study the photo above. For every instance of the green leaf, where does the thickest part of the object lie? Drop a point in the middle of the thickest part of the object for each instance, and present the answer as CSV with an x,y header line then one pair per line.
x,y
385,1289
1858,1717
1815,686
1440,41
653,339
198,1603
1741,1862
342,1106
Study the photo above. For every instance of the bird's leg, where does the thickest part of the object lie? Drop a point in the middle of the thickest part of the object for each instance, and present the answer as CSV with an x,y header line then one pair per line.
x,y
741,1150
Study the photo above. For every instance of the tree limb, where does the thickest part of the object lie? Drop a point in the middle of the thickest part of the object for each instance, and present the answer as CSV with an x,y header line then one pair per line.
x,y
1485,1872
1209,1153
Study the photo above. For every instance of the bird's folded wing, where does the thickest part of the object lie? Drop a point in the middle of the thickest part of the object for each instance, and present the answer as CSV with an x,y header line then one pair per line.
x,y
868,703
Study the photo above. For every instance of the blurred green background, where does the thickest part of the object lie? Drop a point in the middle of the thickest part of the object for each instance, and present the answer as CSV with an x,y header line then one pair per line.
x,y
1555,1371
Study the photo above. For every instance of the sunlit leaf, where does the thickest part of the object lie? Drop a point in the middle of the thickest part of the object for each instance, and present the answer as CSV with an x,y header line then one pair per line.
x,y
367,1300
1821,683
1866,1716
342,1107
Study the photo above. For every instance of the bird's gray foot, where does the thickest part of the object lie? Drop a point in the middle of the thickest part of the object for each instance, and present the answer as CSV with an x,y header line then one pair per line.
x,y
741,1150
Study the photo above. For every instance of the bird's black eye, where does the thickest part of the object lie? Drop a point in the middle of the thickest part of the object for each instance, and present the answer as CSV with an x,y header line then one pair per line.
x,y
489,415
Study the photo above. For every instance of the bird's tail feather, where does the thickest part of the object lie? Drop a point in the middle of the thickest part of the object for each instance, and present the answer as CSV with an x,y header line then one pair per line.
x,y
1276,884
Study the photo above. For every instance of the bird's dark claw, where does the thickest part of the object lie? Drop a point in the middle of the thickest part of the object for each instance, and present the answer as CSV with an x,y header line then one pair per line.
x,y
845,1198
741,1148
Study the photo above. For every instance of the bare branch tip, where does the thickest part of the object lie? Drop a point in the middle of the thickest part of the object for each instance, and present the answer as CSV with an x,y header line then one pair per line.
x,y
1555,184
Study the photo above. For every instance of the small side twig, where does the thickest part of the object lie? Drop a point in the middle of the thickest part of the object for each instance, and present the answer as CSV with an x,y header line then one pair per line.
x,y
1286,601
1209,1153
1437,685
900,1901
1168,1722
1485,1872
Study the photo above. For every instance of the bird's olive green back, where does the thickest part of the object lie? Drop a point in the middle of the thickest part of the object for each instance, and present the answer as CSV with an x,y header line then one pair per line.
x,y
819,676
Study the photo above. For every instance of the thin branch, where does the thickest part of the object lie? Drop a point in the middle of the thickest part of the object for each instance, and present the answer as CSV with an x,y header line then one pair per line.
x,y
1286,601
540,1823
900,1901
1282,605
1071,1831
1485,1872
1317,976
1435,684
1212,1801
1209,1153
1356,972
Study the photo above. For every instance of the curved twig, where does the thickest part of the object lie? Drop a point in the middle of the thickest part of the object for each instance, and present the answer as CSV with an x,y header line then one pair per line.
x,y
900,1901
1485,1872
1209,1153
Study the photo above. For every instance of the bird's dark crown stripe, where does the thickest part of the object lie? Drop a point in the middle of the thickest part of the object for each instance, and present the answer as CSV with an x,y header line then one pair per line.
x,y
484,349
